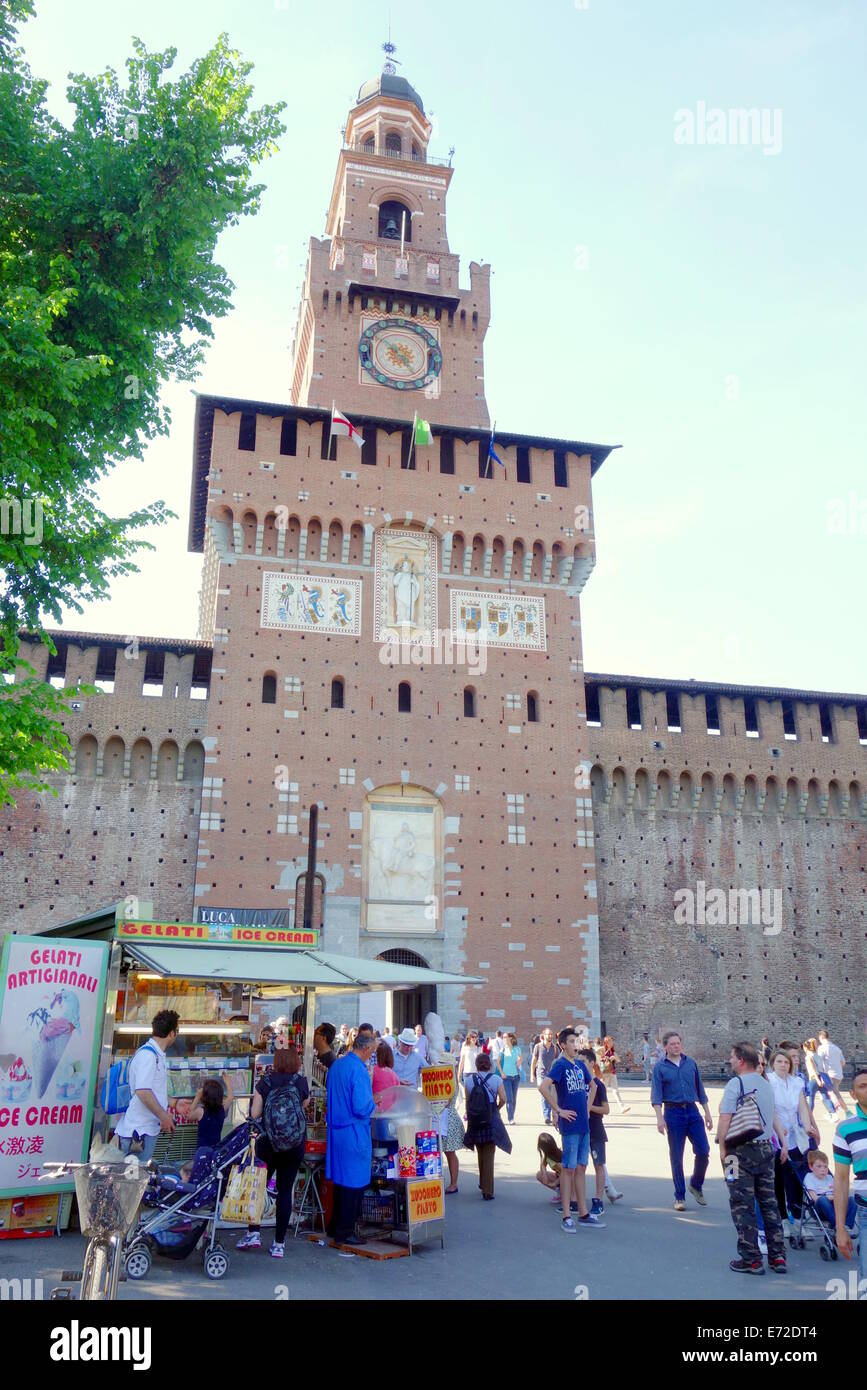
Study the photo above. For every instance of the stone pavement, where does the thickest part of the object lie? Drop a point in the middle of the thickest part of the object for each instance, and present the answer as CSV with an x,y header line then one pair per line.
x,y
512,1247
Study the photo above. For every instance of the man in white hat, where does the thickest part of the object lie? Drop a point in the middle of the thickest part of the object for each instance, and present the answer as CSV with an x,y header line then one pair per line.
x,y
408,1062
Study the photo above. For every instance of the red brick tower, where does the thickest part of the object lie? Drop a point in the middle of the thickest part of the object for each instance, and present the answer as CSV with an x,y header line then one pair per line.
x,y
342,586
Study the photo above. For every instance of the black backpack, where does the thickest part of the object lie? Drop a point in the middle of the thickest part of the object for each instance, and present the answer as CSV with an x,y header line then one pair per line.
x,y
285,1122
479,1102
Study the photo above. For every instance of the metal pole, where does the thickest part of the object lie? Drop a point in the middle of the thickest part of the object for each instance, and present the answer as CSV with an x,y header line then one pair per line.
x,y
313,825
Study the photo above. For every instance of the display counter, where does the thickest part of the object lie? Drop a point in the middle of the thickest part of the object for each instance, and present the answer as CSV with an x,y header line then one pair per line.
x,y
405,1198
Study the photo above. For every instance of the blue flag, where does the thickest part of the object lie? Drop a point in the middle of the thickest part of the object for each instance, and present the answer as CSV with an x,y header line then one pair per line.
x,y
492,453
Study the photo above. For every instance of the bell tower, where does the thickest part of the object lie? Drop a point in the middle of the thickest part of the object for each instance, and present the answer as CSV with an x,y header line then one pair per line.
x,y
384,328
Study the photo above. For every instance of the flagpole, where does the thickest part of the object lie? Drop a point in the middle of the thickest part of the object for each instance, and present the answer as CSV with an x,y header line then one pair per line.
x,y
330,431
412,436
488,473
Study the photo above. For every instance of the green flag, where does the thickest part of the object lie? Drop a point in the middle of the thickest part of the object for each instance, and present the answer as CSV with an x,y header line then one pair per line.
x,y
423,432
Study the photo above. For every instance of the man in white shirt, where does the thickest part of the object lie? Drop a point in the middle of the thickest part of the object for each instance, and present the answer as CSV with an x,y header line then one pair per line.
x,y
497,1047
833,1063
147,1114
421,1044
407,1059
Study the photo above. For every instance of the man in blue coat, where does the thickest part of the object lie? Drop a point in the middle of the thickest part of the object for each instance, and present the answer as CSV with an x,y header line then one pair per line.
x,y
348,1155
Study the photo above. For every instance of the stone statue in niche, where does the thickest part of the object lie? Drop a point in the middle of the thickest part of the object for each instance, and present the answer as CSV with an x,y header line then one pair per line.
x,y
406,588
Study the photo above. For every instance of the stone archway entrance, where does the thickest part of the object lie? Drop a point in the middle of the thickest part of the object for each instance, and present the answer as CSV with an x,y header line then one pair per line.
x,y
408,1006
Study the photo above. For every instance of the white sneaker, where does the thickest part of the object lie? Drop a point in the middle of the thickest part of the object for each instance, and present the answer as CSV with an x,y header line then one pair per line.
x,y
612,1194
251,1240
568,1226
276,1251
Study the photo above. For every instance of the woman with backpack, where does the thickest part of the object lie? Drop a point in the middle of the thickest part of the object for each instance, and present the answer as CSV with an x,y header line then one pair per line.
x,y
486,1132
282,1099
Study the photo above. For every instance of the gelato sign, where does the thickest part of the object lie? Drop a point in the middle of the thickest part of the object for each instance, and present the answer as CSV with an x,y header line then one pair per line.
x,y
215,934
51,1012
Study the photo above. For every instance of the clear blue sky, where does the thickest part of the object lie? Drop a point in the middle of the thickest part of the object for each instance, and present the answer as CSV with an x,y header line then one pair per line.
x,y
714,326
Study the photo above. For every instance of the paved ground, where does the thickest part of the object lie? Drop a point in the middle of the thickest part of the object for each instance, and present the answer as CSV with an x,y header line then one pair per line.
x,y
646,1250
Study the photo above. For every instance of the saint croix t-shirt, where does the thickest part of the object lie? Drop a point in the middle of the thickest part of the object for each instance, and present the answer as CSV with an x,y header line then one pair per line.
x,y
572,1080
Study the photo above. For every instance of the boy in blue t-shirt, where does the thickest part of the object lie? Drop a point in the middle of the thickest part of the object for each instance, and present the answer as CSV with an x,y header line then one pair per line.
x,y
569,1089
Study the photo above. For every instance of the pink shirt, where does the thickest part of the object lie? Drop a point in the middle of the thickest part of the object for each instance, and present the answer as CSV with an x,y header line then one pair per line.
x,y
384,1078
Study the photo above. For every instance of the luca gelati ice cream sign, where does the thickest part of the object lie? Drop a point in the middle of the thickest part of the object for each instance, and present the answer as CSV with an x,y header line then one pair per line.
x,y
51,1012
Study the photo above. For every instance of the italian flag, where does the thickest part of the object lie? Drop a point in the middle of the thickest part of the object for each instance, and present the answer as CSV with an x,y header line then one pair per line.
x,y
423,433
340,425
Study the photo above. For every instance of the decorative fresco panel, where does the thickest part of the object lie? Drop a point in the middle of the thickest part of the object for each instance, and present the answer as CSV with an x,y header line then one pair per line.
x,y
501,620
309,603
405,599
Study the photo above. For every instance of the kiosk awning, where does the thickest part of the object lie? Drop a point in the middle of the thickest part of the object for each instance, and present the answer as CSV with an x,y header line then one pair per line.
x,y
319,970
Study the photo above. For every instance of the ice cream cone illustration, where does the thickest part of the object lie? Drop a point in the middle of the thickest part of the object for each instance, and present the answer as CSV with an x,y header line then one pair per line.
x,y
56,1024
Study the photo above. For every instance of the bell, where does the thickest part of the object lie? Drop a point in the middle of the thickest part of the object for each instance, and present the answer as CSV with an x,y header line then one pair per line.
x,y
391,230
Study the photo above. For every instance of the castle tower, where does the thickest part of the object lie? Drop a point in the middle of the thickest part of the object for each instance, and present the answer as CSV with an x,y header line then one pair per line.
x,y
346,593
382,314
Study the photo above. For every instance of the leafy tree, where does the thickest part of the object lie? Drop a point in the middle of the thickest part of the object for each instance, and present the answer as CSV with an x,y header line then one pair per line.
x,y
108,287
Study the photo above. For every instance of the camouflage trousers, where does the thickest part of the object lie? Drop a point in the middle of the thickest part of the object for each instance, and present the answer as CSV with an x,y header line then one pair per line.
x,y
750,1180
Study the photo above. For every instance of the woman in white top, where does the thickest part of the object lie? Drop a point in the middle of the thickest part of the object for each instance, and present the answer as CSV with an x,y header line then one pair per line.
x,y
791,1108
467,1063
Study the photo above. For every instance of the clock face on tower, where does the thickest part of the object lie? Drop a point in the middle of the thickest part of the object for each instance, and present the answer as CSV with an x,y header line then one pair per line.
x,y
400,353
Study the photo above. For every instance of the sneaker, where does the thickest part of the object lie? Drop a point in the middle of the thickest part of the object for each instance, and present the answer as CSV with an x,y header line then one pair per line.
x,y
347,1254
568,1226
276,1251
590,1220
596,1207
613,1195
251,1241
557,1200
763,1245
698,1195
778,1264
747,1266
680,1204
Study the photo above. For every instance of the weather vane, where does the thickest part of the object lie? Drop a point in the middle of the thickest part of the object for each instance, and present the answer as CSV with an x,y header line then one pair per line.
x,y
389,49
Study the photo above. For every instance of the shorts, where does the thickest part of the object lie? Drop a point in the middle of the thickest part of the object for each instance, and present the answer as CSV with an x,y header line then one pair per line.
x,y
597,1153
576,1150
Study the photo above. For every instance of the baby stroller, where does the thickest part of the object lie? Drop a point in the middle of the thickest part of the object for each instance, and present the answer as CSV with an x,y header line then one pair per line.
x,y
176,1215
810,1225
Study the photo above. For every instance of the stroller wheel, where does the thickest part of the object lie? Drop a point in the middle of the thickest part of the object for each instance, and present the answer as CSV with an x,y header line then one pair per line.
x,y
824,1253
793,1242
802,1244
138,1262
216,1263
835,1254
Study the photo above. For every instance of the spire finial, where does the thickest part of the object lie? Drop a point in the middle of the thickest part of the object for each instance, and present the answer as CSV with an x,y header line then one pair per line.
x,y
389,49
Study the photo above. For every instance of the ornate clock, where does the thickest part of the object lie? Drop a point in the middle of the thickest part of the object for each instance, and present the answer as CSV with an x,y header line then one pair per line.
x,y
400,353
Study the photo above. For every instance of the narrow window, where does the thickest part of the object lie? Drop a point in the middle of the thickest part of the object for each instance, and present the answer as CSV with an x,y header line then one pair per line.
x,y
486,465
288,436
247,431
337,693
751,718
447,454
269,688
106,670
406,449
368,448
861,711
825,722
711,705
523,464
404,698
324,451
561,472
594,718
55,672
154,673
789,729
469,702
532,707
633,710
672,711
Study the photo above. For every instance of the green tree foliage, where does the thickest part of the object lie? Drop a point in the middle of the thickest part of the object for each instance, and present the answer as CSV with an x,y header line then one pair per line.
x,y
108,287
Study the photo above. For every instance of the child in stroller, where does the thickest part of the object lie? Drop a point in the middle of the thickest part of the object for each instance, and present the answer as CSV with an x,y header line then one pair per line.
x,y
818,1205
177,1211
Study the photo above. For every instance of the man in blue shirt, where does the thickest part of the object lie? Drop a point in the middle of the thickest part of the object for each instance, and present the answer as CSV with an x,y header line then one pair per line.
x,y
675,1087
350,1105
569,1090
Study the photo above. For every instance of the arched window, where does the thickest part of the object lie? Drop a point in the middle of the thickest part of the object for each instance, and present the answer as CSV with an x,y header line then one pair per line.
x,y
404,698
417,154
532,707
368,143
393,143
337,693
269,688
393,215
469,702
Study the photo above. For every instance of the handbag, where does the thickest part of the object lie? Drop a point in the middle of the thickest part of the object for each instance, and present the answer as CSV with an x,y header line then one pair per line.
x,y
746,1122
245,1191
